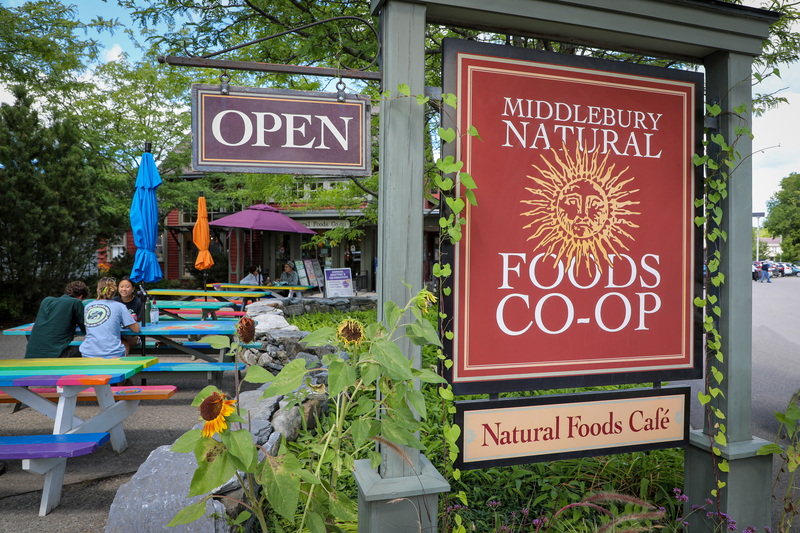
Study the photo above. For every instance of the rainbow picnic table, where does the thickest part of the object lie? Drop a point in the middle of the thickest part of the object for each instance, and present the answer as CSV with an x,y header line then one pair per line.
x,y
222,296
207,309
70,376
165,333
290,288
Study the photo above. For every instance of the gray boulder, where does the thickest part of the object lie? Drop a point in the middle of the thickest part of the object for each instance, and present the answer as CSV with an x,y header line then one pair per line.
x,y
156,493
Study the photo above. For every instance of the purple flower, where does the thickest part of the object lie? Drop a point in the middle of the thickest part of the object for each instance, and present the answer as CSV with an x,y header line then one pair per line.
x,y
767,529
525,513
493,504
709,502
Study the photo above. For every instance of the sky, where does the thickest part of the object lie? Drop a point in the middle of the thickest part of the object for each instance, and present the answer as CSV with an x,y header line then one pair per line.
x,y
776,154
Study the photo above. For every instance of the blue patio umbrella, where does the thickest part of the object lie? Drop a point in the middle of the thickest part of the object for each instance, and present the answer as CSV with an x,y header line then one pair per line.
x,y
144,222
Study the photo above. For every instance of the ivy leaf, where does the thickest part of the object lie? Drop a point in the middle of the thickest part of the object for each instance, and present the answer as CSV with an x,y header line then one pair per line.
x,y
447,135
699,302
466,180
446,291
471,197
723,466
450,99
474,132
699,221
456,205
422,100
447,394
704,398
404,89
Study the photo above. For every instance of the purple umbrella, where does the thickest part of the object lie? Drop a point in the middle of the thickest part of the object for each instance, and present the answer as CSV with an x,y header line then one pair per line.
x,y
263,218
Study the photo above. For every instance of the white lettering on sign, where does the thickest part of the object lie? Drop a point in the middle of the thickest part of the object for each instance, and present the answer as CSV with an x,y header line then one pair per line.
x,y
519,304
325,224
291,130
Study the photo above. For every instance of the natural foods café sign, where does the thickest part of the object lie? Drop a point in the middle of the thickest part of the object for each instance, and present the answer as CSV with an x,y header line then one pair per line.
x,y
581,261
545,428
275,131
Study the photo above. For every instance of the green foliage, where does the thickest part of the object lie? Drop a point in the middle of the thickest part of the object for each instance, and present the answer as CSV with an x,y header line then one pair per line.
x,y
784,216
217,273
48,217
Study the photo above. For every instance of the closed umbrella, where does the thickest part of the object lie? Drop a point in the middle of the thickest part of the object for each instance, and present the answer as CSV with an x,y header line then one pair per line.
x,y
144,222
201,237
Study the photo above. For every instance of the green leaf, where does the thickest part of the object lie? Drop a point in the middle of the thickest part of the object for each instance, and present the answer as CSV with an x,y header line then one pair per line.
x,y
392,313
244,515
283,487
429,376
217,341
456,205
258,374
723,466
289,378
447,135
214,467
320,337
446,291
471,197
474,132
720,439
450,99
422,99
203,394
187,442
391,359
370,372
189,514
417,401
698,202
466,180
340,376
699,221
404,89
342,507
394,433
704,398
240,447
699,302
770,448
446,393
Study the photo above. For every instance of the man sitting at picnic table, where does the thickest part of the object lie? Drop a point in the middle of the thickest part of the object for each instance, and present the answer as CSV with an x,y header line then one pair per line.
x,y
55,324
289,276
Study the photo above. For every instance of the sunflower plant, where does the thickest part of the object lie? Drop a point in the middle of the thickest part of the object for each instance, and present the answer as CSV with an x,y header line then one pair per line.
x,y
373,397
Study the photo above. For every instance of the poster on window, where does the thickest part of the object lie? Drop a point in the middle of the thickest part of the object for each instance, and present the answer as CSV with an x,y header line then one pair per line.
x,y
579,264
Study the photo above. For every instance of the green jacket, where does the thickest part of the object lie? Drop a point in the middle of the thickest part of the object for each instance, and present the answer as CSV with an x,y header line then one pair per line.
x,y
55,326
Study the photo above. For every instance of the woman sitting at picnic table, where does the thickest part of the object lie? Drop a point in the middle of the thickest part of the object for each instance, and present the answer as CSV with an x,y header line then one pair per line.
x,y
253,277
128,298
104,320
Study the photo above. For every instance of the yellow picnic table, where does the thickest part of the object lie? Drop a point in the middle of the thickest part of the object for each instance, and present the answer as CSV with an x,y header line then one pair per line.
x,y
291,288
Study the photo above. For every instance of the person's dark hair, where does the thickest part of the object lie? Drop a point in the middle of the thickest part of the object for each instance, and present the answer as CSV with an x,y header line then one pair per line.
x,y
126,278
252,269
77,289
290,265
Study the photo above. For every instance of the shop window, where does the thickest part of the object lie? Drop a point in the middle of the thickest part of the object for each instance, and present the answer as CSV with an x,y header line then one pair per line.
x,y
116,247
188,254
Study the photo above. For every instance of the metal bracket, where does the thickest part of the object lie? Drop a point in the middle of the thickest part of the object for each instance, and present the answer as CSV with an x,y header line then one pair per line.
x,y
343,71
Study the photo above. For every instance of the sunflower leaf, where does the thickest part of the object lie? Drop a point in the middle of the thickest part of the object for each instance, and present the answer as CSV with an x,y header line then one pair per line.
x,y
417,401
320,337
283,487
189,514
258,374
240,445
391,359
217,341
392,313
214,467
370,372
289,378
340,376
342,507
203,394
187,442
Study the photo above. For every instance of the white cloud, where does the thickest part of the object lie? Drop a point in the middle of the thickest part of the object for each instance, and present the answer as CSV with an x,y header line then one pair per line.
x,y
112,54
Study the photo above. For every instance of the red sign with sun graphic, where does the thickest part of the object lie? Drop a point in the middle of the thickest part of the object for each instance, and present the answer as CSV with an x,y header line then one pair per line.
x,y
579,265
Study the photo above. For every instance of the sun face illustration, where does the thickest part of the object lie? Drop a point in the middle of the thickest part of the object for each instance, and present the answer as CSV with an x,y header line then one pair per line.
x,y
580,208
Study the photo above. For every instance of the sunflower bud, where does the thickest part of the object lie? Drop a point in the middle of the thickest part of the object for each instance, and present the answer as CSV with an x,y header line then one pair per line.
x,y
246,329
350,331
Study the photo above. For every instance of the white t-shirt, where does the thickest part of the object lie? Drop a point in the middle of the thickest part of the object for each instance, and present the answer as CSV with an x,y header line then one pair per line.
x,y
251,279
104,320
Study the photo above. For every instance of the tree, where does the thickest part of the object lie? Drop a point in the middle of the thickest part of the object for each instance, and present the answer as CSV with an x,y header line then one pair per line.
x,y
784,216
39,47
48,217
762,247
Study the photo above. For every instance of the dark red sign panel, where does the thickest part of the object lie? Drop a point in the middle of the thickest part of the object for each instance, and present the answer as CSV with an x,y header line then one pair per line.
x,y
280,132
578,266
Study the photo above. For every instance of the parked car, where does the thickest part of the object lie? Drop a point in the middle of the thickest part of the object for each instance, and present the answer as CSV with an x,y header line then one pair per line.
x,y
786,269
795,270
